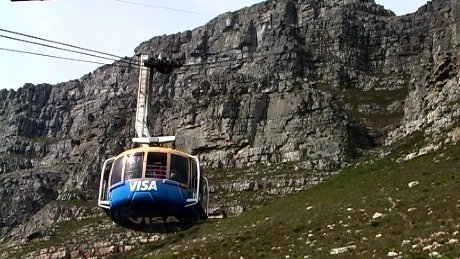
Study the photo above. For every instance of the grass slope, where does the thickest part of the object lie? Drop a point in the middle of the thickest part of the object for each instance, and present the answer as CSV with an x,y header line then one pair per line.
x,y
418,222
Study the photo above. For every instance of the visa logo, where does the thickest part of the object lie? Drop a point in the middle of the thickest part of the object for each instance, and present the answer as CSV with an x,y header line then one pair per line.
x,y
154,220
142,185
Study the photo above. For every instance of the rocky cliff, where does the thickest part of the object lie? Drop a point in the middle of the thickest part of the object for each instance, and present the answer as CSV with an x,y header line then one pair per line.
x,y
287,80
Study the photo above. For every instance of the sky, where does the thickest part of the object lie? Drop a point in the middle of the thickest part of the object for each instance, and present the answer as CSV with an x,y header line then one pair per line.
x,y
110,26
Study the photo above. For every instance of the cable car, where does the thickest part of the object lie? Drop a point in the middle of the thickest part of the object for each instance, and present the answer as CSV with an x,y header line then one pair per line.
x,y
153,188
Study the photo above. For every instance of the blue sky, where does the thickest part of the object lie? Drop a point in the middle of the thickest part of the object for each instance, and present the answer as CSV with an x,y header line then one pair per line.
x,y
111,26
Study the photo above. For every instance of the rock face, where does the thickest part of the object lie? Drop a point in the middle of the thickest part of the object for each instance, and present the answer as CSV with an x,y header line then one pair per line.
x,y
285,80
433,102
54,139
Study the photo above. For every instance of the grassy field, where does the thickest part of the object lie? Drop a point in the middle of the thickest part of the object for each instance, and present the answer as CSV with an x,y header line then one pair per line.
x,y
368,211
380,100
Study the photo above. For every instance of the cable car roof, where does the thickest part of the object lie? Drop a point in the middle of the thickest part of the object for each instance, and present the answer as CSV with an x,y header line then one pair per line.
x,y
154,149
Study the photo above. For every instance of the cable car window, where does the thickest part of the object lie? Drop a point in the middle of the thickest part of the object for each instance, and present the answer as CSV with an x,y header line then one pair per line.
x,y
105,183
156,165
179,169
133,167
117,167
194,175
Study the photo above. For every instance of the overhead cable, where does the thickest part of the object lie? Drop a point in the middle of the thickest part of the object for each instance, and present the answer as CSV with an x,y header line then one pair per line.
x,y
69,50
54,47
66,58
161,7
60,43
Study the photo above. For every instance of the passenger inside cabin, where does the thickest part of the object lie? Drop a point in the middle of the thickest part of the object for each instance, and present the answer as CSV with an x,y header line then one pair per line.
x,y
156,165
159,170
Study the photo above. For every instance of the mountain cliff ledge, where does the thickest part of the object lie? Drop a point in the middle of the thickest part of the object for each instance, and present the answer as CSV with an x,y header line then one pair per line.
x,y
317,81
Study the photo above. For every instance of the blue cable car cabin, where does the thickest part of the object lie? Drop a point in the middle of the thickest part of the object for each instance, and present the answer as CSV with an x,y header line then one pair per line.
x,y
154,189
